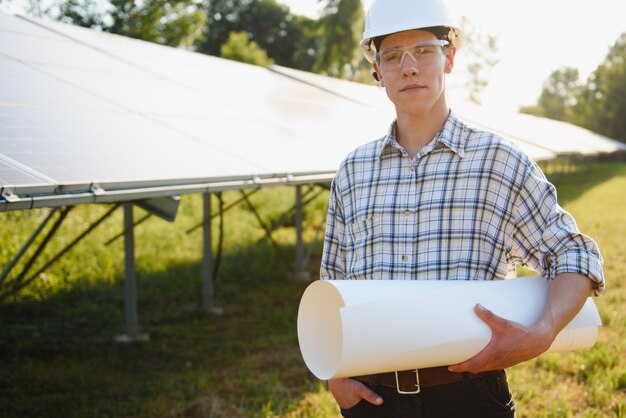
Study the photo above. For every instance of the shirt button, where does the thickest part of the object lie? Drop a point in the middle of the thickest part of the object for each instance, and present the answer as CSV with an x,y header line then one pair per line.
x,y
405,258
407,213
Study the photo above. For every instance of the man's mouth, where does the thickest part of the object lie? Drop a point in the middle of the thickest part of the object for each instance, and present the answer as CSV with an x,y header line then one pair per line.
x,y
412,88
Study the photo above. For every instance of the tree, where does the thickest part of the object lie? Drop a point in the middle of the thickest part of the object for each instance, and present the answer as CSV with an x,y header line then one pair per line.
x,y
37,8
480,50
240,48
289,40
84,13
558,95
342,22
601,104
306,43
174,23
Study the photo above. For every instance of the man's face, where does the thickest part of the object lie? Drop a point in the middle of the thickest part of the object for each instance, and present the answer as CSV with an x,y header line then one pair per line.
x,y
413,77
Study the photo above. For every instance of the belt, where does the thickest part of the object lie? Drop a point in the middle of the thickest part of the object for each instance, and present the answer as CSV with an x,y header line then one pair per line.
x,y
412,381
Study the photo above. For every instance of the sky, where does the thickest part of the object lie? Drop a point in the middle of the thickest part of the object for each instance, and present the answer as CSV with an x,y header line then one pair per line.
x,y
535,37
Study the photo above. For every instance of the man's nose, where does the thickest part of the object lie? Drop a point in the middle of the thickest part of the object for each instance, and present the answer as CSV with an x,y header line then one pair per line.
x,y
408,66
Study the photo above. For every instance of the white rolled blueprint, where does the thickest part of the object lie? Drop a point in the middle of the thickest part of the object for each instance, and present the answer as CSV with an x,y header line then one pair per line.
x,y
358,327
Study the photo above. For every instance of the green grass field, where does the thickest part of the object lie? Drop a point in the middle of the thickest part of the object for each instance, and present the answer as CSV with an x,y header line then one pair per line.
x,y
57,337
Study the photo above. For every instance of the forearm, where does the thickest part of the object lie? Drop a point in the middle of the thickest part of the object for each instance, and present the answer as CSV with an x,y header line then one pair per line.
x,y
566,296
512,343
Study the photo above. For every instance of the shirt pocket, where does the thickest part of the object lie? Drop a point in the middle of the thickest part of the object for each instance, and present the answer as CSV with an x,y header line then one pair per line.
x,y
362,253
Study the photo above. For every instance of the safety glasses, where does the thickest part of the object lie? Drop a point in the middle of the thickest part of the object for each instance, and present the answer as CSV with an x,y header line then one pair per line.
x,y
422,53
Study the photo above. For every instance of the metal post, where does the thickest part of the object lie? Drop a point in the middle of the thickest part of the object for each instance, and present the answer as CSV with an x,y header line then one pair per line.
x,y
207,262
299,273
130,284
207,259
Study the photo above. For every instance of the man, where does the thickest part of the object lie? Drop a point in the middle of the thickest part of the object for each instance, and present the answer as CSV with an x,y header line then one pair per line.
x,y
436,199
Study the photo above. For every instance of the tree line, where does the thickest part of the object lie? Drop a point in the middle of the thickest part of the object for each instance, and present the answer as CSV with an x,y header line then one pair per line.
x,y
598,104
261,32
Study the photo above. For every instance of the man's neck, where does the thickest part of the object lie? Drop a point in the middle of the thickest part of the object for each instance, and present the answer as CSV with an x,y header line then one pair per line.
x,y
414,132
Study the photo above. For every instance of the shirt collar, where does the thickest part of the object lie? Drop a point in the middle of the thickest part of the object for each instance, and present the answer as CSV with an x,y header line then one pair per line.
x,y
450,135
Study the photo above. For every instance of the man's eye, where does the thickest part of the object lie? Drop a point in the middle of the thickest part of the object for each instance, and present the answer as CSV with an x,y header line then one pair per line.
x,y
391,57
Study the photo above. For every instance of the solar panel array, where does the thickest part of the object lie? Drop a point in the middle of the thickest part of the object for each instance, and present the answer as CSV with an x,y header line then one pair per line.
x,y
81,110
87,116
540,138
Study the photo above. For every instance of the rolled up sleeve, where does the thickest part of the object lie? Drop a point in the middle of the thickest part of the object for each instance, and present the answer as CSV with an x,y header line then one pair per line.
x,y
546,236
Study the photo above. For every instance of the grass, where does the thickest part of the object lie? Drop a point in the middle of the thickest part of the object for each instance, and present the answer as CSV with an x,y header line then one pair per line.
x,y
59,357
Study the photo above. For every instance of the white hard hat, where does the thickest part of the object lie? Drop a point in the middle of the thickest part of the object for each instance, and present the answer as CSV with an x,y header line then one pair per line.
x,y
389,16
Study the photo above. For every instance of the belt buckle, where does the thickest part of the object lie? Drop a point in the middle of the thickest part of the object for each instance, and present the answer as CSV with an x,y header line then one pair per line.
x,y
417,384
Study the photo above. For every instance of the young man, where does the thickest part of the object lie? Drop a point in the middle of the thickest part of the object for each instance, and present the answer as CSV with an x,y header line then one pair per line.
x,y
436,199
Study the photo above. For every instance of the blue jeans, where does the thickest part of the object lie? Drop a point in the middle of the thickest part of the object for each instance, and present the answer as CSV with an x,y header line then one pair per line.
x,y
478,398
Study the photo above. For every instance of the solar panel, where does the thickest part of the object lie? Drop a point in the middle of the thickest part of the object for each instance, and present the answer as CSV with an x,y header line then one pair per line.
x,y
12,172
559,137
77,116
540,138
80,108
369,95
79,145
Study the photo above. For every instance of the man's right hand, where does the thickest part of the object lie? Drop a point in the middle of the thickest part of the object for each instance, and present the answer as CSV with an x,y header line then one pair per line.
x,y
349,392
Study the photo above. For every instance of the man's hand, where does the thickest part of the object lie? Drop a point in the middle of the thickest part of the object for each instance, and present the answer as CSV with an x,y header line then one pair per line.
x,y
512,343
348,392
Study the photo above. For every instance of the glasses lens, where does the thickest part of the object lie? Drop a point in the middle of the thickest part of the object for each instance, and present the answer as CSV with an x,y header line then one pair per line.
x,y
422,53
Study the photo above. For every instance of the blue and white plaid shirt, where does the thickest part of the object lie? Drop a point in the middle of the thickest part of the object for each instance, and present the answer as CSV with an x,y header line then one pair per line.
x,y
469,206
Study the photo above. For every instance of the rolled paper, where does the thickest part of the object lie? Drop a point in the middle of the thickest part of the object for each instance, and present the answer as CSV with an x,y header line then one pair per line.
x,y
359,327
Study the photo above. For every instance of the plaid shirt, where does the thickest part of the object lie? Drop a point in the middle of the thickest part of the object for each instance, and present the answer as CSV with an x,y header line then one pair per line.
x,y
469,206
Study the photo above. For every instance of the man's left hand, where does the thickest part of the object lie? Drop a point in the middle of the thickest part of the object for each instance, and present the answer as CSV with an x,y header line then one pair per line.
x,y
511,343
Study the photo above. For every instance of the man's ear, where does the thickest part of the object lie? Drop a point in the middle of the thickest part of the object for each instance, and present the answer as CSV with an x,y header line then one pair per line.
x,y
379,75
449,55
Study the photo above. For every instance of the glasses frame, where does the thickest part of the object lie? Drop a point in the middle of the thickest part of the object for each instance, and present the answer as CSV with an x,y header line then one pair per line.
x,y
407,49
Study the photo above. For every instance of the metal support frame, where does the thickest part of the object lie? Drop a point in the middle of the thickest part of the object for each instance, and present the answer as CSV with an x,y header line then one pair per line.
x,y
299,274
226,208
207,256
297,270
306,199
207,259
19,281
26,245
267,229
303,259
130,286
121,234
318,230
130,283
